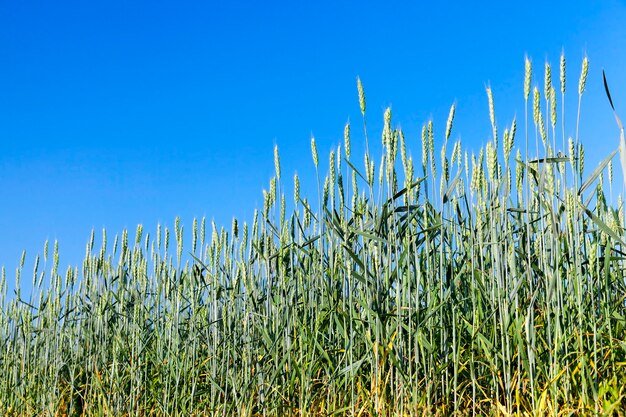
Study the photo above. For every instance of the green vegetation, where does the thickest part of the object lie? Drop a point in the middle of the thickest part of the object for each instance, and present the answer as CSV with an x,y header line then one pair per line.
x,y
487,284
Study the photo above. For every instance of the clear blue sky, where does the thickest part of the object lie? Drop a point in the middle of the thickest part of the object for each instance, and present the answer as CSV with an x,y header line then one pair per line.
x,y
118,113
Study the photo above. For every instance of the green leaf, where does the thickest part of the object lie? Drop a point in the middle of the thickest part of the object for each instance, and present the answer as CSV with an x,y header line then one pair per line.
x,y
553,160
451,187
606,229
352,367
596,172
355,170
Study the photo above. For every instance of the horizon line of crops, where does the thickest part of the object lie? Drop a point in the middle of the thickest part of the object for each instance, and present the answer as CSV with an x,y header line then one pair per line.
x,y
487,283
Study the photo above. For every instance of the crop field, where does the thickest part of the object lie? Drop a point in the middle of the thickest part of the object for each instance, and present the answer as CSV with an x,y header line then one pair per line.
x,y
464,282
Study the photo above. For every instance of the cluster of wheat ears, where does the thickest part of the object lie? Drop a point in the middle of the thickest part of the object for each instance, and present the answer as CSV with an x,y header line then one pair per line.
x,y
488,284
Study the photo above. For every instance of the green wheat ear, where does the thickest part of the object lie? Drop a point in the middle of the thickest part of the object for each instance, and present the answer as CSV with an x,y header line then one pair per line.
x,y
450,120
536,102
346,139
314,154
296,190
528,71
277,162
492,115
553,106
562,72
359,86
547,80
583,76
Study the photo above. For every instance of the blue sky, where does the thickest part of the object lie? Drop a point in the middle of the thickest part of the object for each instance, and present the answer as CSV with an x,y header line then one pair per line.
x,y
118,113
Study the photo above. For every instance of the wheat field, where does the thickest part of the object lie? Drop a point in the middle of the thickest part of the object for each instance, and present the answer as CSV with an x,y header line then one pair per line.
x,y
465,282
